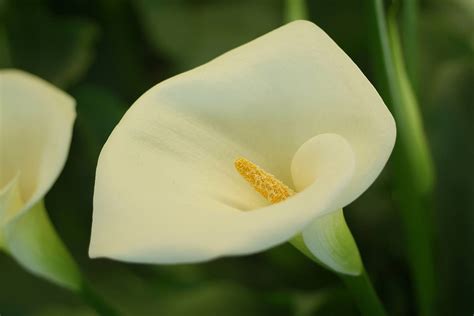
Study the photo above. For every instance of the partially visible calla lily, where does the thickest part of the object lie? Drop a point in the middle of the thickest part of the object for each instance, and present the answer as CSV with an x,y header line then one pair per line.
x,y
36,121
292,102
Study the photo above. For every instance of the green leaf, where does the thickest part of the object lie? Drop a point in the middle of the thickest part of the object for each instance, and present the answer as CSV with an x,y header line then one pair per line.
x,y
61,310
328,301
98,111
328,241
192,33
219,298
59,49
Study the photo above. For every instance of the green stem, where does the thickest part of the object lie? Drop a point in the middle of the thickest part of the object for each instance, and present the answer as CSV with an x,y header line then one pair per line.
x,y
414,200
119,29
413,138
359,286
417,227
400,98
5,55
364,294
5,58
409,24
414,178
295,10
95,301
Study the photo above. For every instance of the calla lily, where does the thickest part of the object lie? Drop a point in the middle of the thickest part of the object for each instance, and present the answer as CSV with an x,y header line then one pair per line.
x,y
36,122
290,101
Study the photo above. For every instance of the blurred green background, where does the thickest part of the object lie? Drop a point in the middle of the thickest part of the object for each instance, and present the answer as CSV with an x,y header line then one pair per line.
x,y
106,53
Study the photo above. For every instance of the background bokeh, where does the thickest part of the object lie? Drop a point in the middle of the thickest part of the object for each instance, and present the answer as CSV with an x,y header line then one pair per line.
x,y
106,53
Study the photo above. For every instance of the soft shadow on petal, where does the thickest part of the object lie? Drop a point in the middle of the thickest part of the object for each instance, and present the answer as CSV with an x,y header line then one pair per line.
x,y
35,132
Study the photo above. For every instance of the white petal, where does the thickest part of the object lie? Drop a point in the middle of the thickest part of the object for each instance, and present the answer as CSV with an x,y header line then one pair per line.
x,y
166,190
35,132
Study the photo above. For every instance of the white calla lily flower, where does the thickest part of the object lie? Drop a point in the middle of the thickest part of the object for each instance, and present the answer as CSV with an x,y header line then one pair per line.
x,y
291,101
36,121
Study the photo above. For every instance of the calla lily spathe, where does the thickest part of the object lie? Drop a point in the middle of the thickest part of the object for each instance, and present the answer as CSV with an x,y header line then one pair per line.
x,y
36,121
291,101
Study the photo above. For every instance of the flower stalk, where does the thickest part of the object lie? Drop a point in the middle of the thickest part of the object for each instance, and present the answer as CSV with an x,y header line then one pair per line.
x,y
364,294
409,28
95,301
414,179
295,10
358,284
